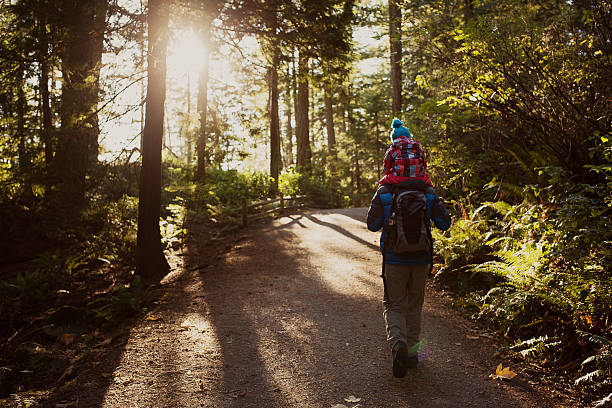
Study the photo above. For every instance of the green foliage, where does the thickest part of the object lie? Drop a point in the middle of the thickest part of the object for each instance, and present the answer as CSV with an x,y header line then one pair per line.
x,y
220,198
521,267
536,346
121,302
288,183
522,313
114,224
553,252
597,367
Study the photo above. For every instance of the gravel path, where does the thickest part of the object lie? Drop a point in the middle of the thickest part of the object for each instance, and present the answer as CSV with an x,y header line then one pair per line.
x,y
291,316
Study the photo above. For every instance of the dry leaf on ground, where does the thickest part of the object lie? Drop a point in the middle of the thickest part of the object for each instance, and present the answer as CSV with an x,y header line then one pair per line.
x,y
67,339
352,398
503,373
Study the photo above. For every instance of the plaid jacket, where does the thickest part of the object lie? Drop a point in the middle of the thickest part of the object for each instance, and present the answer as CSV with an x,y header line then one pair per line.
x,y
405,160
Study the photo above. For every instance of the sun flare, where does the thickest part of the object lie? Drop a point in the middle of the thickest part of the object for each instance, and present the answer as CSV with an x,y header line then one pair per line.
x,y
186,52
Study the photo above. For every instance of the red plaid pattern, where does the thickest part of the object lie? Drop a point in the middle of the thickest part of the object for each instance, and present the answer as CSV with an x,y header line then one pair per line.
x,y
405,160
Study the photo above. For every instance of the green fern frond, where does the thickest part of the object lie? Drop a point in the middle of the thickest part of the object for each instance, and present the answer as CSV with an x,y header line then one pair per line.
x,y
593,338
589,377
529,343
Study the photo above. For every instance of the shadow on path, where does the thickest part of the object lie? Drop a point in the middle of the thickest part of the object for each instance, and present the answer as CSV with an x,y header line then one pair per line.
x,y
294,334
343,231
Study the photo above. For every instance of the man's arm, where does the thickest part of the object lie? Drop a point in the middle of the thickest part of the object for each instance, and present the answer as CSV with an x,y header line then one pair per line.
x,y
376,213
440,215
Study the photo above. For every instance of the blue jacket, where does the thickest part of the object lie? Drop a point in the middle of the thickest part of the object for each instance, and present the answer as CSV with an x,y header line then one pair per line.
x,y
380,210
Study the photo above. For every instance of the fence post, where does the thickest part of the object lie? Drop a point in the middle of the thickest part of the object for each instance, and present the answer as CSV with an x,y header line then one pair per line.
x,y
244,213
282,205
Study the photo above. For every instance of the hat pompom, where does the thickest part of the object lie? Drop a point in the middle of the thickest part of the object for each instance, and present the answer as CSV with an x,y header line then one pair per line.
x,y
396,123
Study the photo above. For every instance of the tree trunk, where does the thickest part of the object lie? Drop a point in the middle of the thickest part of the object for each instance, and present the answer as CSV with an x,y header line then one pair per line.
x,y
275,152
43,84
143,56
189,147
289,128
331,133
201,153
24,160
302,125
357,174
468,11
395,40
217,156
294,89
151,263
77,147
377,143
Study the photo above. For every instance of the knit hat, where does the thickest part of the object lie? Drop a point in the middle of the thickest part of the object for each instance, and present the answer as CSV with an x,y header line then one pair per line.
x,y
399,129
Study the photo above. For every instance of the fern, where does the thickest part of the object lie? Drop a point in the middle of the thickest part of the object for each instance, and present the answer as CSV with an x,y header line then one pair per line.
x,y
604,402
601,362
589,377
536,345
519,267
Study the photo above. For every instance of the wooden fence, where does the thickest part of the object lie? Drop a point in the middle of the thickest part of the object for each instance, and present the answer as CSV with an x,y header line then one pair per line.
x,y
260,209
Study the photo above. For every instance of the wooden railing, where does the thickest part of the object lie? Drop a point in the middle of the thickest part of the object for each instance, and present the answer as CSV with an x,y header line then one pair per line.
x,y
263,208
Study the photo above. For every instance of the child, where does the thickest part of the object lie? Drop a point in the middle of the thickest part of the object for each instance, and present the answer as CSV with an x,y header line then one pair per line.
x,y
405,160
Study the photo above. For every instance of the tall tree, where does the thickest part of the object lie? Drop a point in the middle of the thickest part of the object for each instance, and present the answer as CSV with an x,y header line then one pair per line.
x,y
208,10
331,133
83,23
289,102
151,262
273,50
43,82
275,151
395,40
201,152
302,120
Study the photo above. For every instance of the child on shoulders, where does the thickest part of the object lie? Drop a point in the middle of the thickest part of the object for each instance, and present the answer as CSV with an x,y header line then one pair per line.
x,y
405,162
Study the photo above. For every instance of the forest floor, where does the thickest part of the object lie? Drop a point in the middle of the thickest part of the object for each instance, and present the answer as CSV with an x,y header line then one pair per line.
x,y
290,315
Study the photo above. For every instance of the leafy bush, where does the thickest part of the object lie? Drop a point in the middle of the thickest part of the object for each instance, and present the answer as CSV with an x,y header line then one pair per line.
x,y
597,368
222,194
553,251
115,234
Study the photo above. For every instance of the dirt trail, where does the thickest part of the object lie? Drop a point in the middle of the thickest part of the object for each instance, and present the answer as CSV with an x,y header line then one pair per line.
x,y
291,316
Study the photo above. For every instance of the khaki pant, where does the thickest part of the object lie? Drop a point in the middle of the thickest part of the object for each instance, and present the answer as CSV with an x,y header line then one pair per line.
x,y
405,291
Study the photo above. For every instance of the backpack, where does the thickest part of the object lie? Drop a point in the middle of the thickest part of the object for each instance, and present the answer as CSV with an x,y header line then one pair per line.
x,y
408,231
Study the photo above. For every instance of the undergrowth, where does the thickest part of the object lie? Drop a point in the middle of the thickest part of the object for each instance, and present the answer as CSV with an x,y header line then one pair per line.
x,y
81,282
546,263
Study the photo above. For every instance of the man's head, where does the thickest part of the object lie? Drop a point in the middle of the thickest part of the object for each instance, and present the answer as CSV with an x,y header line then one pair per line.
x,y
399,129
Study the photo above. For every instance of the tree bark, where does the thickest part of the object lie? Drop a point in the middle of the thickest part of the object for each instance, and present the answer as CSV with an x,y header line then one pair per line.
x,y
275,151
217,154
201,153
302,125
331,133
24,160
77,147
43,83
468,11
395,40
151,263
189,146
289,128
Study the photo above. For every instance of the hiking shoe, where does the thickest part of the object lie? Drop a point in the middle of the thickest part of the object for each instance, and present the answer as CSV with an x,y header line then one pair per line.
x,y
412,360
400,360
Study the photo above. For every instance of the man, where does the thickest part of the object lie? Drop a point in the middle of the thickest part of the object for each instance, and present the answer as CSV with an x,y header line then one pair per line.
x,y
404,274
